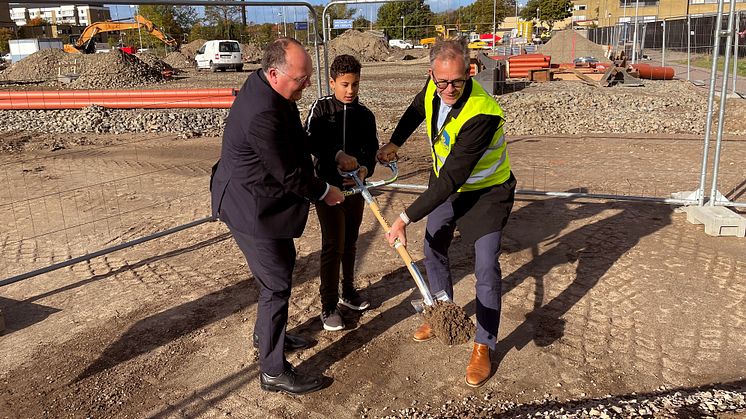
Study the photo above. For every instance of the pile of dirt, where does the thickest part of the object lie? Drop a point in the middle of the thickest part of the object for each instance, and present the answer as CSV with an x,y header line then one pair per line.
x,y
191,48
569,44
251,53
450,323
364,46
111,70
154,62
178,60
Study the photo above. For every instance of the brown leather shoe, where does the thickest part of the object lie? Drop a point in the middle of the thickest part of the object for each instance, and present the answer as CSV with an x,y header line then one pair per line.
x,y
423,333
479,368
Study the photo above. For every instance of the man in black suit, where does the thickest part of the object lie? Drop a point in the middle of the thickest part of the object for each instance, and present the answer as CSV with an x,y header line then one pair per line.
x,y
261,189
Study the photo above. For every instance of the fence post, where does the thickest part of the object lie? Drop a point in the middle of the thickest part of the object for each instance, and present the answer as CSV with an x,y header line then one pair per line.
x,y
735,51
663,59
688,46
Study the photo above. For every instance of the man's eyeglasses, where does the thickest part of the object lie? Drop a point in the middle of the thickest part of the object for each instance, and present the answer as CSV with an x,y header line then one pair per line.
x,y
443,84
299,80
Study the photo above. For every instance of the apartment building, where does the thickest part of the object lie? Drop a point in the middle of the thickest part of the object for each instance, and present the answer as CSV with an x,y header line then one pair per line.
x,y
611,12
74,15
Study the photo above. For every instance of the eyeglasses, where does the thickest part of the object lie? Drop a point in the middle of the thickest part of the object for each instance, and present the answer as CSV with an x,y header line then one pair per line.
x,y
443,84
299,80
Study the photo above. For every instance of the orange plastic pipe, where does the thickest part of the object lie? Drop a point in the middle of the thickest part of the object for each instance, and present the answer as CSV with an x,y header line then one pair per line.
x,y
100,94
651,72
126,103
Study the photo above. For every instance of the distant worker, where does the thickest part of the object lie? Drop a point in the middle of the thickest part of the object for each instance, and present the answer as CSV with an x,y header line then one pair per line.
x,y
471,187
261,189
343,138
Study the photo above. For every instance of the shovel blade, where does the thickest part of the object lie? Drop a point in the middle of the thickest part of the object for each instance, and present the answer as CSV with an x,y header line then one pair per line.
x,y
419,305
441,296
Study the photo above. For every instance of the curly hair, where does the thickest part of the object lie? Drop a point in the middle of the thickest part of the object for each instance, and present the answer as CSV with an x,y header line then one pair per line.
x,y
344,64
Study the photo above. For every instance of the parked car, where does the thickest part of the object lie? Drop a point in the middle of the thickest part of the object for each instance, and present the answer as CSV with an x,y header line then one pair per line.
x,y
219,55
400,43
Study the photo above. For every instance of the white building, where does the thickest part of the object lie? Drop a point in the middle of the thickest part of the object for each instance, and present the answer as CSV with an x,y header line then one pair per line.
x,y
82,15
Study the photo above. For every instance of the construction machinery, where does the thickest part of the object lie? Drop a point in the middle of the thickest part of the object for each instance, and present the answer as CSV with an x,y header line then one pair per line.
x,y
86,43
441,33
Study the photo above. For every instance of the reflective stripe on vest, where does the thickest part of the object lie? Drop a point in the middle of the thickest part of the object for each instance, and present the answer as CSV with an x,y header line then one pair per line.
x,y
493,167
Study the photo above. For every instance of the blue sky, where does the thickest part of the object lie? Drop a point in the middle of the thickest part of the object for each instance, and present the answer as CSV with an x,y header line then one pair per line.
x,y
271,14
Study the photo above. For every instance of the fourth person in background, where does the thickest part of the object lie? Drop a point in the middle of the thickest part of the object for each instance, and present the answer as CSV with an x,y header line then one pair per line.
x,y
329,121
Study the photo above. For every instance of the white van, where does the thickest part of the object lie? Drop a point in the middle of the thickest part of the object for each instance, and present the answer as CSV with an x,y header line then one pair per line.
x,y
219,55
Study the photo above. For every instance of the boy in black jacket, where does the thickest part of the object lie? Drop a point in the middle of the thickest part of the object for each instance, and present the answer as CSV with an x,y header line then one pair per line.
x,y
343,137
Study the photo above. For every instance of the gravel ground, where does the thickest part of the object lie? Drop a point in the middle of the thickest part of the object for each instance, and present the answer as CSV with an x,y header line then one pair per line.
x,y
704,403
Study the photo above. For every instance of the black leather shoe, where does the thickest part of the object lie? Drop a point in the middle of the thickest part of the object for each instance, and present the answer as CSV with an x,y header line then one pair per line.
x,y
291,382
292,342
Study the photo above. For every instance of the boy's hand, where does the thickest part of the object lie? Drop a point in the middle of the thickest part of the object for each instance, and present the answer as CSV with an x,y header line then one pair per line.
x,y
387,153
345,162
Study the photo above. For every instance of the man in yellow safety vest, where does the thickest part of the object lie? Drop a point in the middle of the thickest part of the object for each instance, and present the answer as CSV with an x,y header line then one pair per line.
x,y
471,186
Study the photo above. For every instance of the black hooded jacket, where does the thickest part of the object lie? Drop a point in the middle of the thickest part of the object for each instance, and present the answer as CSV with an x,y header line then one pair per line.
x,y
334,126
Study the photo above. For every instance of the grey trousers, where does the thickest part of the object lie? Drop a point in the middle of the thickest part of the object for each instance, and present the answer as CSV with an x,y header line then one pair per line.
x,y
441,224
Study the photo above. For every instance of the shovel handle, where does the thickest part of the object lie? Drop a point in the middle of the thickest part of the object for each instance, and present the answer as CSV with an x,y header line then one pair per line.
x,y
404,254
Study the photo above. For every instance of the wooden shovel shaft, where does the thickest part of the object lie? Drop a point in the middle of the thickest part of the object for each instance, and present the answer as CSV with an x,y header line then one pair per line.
x,y
403,253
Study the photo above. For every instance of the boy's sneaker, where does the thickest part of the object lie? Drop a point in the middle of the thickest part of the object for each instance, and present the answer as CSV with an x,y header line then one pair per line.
x,y
332,320
354,301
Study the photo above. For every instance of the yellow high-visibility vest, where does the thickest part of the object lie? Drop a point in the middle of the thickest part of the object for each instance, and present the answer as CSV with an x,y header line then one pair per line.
x,y
494,166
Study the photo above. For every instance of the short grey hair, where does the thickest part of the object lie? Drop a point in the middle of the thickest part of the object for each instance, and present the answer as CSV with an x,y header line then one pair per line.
x,y
274,54
451,49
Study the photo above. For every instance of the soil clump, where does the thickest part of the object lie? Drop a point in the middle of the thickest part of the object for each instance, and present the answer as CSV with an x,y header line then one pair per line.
x,y
450,323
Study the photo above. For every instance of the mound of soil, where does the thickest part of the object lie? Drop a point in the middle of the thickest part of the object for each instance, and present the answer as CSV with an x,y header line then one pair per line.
x,y
178,60
569,44
251,53
153,61
364,46
450,323
191,48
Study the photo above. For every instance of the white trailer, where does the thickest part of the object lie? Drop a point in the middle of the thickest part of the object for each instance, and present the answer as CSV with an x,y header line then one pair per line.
x,y
22,48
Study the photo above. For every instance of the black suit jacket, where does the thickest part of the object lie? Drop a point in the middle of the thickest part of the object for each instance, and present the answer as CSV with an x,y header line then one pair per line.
x,y
264,179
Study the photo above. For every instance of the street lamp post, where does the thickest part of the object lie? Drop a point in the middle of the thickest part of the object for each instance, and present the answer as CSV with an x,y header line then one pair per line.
x,y
139,34
402,27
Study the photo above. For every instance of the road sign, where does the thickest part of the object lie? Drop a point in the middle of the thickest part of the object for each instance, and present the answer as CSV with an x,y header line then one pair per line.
x,y
342,24
301,26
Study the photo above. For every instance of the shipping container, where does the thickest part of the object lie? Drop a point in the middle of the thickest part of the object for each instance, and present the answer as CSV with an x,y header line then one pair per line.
x,y
22,48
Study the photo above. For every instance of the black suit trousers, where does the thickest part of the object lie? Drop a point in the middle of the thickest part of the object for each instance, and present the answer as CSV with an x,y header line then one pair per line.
x,y
271,262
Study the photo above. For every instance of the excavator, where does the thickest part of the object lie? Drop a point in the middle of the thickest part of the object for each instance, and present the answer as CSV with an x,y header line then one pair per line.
x,y
86,44
441,33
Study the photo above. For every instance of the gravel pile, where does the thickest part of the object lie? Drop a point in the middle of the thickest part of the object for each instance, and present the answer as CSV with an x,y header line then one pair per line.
x,y
569,44
97,119
111,70
565,107
154,62
666,404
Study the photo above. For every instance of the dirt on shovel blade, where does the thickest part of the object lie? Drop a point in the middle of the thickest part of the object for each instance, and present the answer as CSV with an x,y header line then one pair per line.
x,y
450,323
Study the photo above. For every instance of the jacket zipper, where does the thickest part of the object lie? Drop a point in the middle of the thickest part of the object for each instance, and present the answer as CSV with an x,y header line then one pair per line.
x,y
344,129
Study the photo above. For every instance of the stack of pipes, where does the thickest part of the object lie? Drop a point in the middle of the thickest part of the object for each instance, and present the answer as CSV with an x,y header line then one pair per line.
x,y
119,99
519,65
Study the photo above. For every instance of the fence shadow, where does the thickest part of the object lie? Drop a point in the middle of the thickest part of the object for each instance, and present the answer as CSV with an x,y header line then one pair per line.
x,y
594,247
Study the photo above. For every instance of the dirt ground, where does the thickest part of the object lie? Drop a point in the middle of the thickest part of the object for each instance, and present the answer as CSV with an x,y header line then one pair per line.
x,y
600,297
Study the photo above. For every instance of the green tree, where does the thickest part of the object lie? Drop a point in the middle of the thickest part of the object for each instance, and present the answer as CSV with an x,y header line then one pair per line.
x,y
261,34
478,15
361,23
6,34
547,11
225,21
417,18
174,20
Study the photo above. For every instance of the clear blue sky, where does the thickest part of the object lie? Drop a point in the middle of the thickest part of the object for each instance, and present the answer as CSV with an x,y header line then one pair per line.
x,y
271,14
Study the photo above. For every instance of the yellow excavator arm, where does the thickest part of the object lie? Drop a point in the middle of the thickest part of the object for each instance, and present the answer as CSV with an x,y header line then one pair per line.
x,y
85,43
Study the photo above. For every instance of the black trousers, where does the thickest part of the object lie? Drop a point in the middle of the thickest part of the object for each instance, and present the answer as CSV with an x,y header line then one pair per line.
x,y
340,225
271,262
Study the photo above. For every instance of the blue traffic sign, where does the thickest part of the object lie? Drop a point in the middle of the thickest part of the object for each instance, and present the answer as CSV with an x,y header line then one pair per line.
x,y
342,24
301,26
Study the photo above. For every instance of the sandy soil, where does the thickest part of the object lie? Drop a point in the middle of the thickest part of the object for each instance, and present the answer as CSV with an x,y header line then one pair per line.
x,y
599,297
